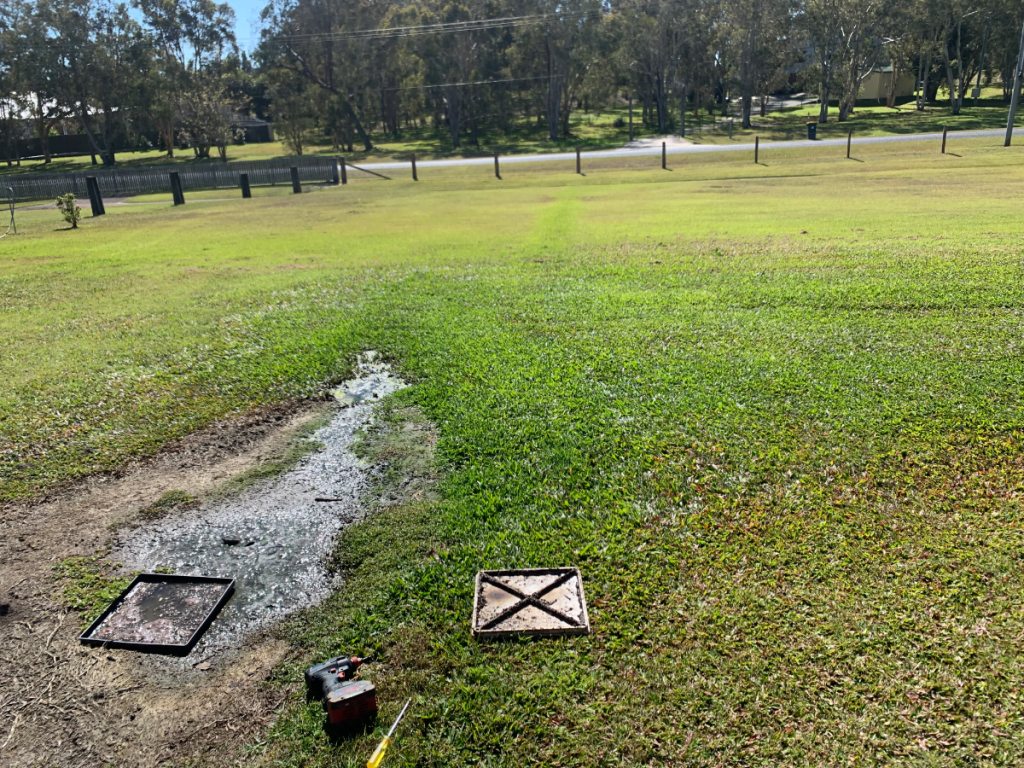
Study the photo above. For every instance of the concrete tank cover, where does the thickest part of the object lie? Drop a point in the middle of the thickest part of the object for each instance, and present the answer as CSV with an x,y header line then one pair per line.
x,y
533,601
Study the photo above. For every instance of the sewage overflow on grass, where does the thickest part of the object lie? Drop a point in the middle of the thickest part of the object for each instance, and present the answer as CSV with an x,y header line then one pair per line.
x,y
274,537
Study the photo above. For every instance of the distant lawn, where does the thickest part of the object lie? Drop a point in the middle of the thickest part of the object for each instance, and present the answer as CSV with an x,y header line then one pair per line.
x,y
597,129
773,412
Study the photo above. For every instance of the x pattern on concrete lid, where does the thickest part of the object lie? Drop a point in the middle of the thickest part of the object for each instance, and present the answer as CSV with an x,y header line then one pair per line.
x,y
535,601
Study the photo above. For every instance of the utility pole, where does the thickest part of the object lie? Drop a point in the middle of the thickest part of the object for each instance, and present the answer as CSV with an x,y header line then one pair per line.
x,y
1015,98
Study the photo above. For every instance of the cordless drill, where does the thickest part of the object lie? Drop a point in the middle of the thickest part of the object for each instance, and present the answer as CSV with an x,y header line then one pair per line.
x,y
347,701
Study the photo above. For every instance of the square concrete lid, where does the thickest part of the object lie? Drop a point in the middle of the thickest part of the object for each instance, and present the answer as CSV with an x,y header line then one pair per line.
x,y
530,601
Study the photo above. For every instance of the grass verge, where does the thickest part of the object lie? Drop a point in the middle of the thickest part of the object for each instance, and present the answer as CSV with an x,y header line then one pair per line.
x,y
780,435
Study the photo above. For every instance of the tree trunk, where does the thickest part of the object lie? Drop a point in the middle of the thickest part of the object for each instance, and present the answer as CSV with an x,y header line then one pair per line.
x,y
661,102
453,104
473,136
358,126
960,69
849,96
566,107
890,93
108,136
554,92
682,112
554,103
924,81
93,146
918,103
951,82
43,129
166,128
747,77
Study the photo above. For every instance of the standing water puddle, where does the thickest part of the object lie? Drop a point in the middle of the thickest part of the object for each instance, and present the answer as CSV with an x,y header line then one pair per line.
x,y
273,538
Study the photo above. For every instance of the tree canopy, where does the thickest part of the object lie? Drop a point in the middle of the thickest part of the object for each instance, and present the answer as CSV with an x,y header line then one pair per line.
x,y
169,72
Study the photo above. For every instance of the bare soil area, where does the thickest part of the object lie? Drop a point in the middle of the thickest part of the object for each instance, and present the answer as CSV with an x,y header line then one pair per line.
x,y
64,704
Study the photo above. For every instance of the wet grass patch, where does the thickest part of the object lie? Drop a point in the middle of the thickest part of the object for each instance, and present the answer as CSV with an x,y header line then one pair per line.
x,y
400,445
398,535
302,445
87,584
171,501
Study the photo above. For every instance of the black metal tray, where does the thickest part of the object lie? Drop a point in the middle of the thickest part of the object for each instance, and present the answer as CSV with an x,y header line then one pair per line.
x,y
174,649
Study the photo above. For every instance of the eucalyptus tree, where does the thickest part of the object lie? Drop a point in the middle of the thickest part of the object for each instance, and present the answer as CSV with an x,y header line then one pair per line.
x,y
71,25
655,32
12,96
960,46
760,32
121,60
29,54
190,39
1007,17
450,61
328,42
866,32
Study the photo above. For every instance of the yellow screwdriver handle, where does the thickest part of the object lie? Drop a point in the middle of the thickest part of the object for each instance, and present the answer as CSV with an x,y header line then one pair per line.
x,y
378,754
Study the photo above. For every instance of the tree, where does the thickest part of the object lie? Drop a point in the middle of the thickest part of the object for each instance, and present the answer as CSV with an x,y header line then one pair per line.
x,y
36,73
190,41
308,38
292,108
654,35
865,34
68,207
205,117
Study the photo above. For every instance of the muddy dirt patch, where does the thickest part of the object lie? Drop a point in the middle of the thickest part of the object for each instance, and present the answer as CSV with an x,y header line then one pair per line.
x,y
274,538
63,704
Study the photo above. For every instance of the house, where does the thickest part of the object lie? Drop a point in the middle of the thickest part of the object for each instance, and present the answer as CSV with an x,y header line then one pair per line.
x,y
877,84
256,131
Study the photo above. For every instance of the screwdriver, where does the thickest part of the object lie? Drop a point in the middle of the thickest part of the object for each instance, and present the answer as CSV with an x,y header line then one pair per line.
x,y
378,754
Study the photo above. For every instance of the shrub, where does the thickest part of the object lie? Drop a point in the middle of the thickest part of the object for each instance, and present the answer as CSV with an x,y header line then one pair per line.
x,y
68,207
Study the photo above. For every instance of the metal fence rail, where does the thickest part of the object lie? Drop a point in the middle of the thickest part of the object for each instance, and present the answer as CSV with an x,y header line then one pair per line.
x,y
126,182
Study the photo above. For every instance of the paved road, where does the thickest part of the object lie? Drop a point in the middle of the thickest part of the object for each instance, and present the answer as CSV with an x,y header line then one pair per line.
x,y
766,146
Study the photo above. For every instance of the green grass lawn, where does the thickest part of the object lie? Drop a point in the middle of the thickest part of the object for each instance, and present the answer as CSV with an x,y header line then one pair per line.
x,y
772,412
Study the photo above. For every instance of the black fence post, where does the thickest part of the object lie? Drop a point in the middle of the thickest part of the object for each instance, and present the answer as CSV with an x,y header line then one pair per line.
x,y
95,198
849,140
414,176
497,169
344,171
243,182
296,184
179,197
944,129
578,160
757,147
664,164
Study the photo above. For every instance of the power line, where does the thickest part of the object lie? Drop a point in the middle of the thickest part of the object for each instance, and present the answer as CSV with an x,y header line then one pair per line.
x,y
473,82
433,29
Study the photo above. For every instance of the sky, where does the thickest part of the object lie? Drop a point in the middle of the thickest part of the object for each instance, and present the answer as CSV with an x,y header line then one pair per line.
x,y
247,14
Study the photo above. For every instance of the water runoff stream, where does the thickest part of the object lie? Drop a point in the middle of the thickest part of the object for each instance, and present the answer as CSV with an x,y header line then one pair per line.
x,y
273,538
